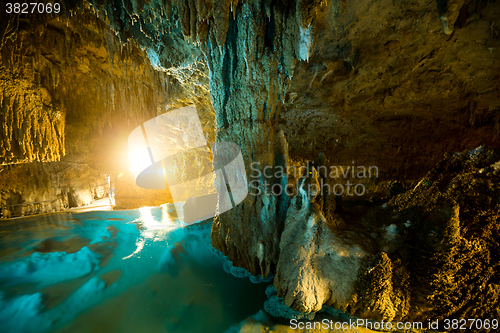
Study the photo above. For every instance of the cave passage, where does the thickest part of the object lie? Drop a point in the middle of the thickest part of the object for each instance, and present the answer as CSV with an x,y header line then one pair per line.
x,y
236,166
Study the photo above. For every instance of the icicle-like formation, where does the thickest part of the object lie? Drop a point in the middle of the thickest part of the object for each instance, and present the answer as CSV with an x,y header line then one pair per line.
x,y
71,71
305,42
32,126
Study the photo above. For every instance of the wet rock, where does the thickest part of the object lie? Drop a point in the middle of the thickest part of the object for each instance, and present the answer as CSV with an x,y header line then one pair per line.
x,y
275,307
436,257
448,13
317,264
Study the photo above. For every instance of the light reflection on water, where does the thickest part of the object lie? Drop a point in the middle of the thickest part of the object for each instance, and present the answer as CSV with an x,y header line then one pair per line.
x,y
154,229
171,275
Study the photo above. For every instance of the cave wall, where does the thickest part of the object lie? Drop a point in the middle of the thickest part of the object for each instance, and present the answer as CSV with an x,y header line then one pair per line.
x,y
71,93
254,67
249,51
33,127
388,86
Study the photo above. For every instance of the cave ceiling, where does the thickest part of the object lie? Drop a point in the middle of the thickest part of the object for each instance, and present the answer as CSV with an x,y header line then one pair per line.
x,y
383,84
373,83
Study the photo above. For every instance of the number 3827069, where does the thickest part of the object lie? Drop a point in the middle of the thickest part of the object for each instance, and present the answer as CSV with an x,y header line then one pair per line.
x,y
32,8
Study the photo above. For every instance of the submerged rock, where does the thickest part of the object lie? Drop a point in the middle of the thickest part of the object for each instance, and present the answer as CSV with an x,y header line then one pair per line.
x,y
49,268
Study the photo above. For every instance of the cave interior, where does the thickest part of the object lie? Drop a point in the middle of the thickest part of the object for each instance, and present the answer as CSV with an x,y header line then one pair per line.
x,y
389,110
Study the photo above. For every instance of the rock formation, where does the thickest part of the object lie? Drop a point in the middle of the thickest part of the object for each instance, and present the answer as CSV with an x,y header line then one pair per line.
x,y
391,85
429,252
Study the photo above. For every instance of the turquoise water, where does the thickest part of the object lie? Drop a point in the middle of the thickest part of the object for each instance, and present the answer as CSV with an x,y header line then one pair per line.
x,y
118,271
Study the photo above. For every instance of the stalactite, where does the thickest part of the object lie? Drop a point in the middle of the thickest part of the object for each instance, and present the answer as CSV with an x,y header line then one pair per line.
x,y
27,122
48,59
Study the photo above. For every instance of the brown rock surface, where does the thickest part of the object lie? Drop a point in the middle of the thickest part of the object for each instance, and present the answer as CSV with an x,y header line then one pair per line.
x,y
71,93
390,84
389,88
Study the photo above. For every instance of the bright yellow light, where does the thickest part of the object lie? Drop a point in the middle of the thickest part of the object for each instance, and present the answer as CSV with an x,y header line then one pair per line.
x,y
139,160
138,152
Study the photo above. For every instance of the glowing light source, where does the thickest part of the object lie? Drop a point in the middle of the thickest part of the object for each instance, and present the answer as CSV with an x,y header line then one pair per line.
x,y
139,157
170,152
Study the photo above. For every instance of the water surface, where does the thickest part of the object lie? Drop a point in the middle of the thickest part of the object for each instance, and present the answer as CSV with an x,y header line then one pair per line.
x,y
118,271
